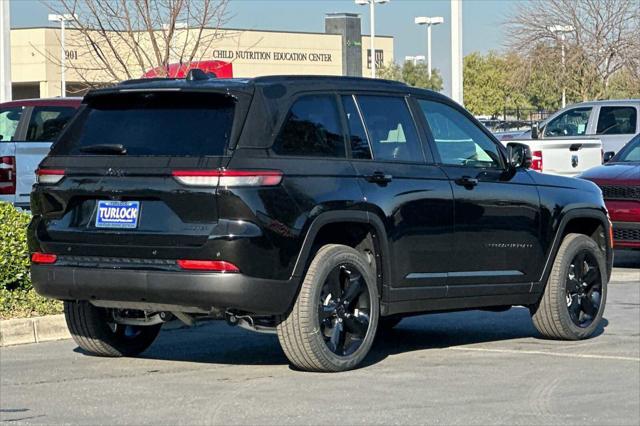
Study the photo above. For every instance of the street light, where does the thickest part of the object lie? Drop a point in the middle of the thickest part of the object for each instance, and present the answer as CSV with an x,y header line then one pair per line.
x,y
429,21
372,5
62,19
562,30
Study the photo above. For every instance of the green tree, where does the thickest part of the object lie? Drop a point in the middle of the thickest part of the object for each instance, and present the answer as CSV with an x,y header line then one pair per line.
x,y
416,75
485,84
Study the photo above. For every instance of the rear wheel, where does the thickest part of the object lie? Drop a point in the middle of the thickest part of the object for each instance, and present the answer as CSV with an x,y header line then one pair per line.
x,y
333,322
96,332
573,302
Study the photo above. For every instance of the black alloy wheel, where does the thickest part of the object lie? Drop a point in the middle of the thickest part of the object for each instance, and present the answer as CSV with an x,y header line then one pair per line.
x,y
583,289
344,310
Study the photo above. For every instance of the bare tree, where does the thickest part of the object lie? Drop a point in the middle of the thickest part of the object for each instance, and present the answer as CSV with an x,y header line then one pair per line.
x,y
604,38
121,39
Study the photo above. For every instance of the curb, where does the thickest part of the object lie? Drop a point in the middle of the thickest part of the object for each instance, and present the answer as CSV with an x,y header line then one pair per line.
x,y
21,331
33,330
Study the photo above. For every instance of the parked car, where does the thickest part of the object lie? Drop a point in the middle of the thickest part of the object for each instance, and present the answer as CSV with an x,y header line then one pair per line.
x,y
27,128
317,208
619,180
614,122
565,157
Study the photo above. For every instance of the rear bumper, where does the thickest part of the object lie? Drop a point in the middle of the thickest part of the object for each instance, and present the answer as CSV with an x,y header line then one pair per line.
x,y
204,290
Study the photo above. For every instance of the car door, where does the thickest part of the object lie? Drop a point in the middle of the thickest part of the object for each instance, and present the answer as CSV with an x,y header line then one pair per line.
x,y
44,124
497,246
413,198
616,125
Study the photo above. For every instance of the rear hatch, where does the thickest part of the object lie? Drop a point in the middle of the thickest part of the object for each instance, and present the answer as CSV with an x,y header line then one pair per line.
x,y
132,173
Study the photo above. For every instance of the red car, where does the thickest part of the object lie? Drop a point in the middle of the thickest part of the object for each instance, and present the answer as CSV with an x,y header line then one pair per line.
x,y
619,180
221,69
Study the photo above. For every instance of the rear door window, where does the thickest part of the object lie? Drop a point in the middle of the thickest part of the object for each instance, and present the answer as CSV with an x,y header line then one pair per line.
x,y
391,129
617,120
47,122
152,124
9,120
312,128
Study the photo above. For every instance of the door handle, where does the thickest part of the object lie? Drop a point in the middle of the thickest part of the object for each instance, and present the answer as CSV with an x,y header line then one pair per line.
x,y
379,178
467,181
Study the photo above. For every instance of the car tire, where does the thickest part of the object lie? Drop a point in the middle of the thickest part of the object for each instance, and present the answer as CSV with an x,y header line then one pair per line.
x,y
334,319
573,301
91,330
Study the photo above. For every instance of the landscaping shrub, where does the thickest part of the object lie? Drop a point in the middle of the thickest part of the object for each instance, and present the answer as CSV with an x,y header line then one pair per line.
x,y
17,297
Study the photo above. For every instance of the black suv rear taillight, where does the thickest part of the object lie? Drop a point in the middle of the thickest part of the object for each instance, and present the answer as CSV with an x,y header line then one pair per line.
x,y
8,175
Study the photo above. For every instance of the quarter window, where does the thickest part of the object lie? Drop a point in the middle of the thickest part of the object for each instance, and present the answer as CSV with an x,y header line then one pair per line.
x,y
569,123
312,128
358,136
46,123
617,121
458,140
392,132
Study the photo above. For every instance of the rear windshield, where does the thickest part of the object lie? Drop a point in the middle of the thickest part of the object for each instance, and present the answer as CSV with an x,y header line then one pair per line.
x,y
166,124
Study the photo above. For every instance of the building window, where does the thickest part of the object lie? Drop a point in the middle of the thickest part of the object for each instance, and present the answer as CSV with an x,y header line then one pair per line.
x,y
379,58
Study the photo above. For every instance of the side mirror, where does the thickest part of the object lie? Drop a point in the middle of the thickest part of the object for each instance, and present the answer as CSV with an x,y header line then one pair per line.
x,y
520,156
608,156
535,132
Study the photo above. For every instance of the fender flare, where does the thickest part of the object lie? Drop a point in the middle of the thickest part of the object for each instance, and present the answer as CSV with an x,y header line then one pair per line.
x,y
341,216
582,213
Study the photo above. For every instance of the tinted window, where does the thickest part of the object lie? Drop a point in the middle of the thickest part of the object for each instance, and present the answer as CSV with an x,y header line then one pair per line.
x,y
569,123
359,143
186,124
458,140
391,128
46,123
617,121
312,128
9,120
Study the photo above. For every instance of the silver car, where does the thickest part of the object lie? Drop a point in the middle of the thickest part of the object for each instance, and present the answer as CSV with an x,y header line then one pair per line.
x,y
614,122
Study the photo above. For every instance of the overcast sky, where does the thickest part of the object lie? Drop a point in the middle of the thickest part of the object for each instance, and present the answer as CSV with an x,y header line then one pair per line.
x,y
482,19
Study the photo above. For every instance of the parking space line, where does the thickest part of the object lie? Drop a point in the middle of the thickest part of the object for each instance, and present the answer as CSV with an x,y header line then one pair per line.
x,y
558,354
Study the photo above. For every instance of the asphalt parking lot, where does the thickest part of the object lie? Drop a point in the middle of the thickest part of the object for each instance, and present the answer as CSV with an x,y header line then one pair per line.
x,y
462,368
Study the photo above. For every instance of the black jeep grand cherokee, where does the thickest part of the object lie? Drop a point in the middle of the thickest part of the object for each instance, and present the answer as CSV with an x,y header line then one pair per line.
x,y
317,208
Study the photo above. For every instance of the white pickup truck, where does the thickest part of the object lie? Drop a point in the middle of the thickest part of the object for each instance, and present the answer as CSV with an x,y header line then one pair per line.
x,y
563,156
27,129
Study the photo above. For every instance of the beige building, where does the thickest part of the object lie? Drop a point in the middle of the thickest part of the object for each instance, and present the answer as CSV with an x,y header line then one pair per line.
x,y
342,50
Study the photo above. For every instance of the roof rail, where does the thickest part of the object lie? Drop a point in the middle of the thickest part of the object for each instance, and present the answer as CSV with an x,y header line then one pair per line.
x,y
144,80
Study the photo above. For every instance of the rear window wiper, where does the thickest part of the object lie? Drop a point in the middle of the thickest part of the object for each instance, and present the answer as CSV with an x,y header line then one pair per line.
x,y
105,148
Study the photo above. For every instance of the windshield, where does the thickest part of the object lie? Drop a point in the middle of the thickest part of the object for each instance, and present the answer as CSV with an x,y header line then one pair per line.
x,y
629,153
144,124
9,119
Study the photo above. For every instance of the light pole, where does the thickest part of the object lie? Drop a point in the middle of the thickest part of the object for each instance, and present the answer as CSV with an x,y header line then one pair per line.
x,y
372,10
429,21
562,30
62,19
5,52
415,59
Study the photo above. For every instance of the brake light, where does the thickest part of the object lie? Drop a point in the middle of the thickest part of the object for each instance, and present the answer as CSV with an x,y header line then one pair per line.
x,y
8,175
536,160
43,258
207,265
49,176
228,178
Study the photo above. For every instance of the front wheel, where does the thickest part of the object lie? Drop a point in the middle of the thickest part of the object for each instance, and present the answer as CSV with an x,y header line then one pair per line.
x,y
97,333
573,302
333,322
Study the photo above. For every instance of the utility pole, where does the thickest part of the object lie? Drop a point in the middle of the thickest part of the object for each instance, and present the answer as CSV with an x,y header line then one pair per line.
x,y
5,51
457,93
